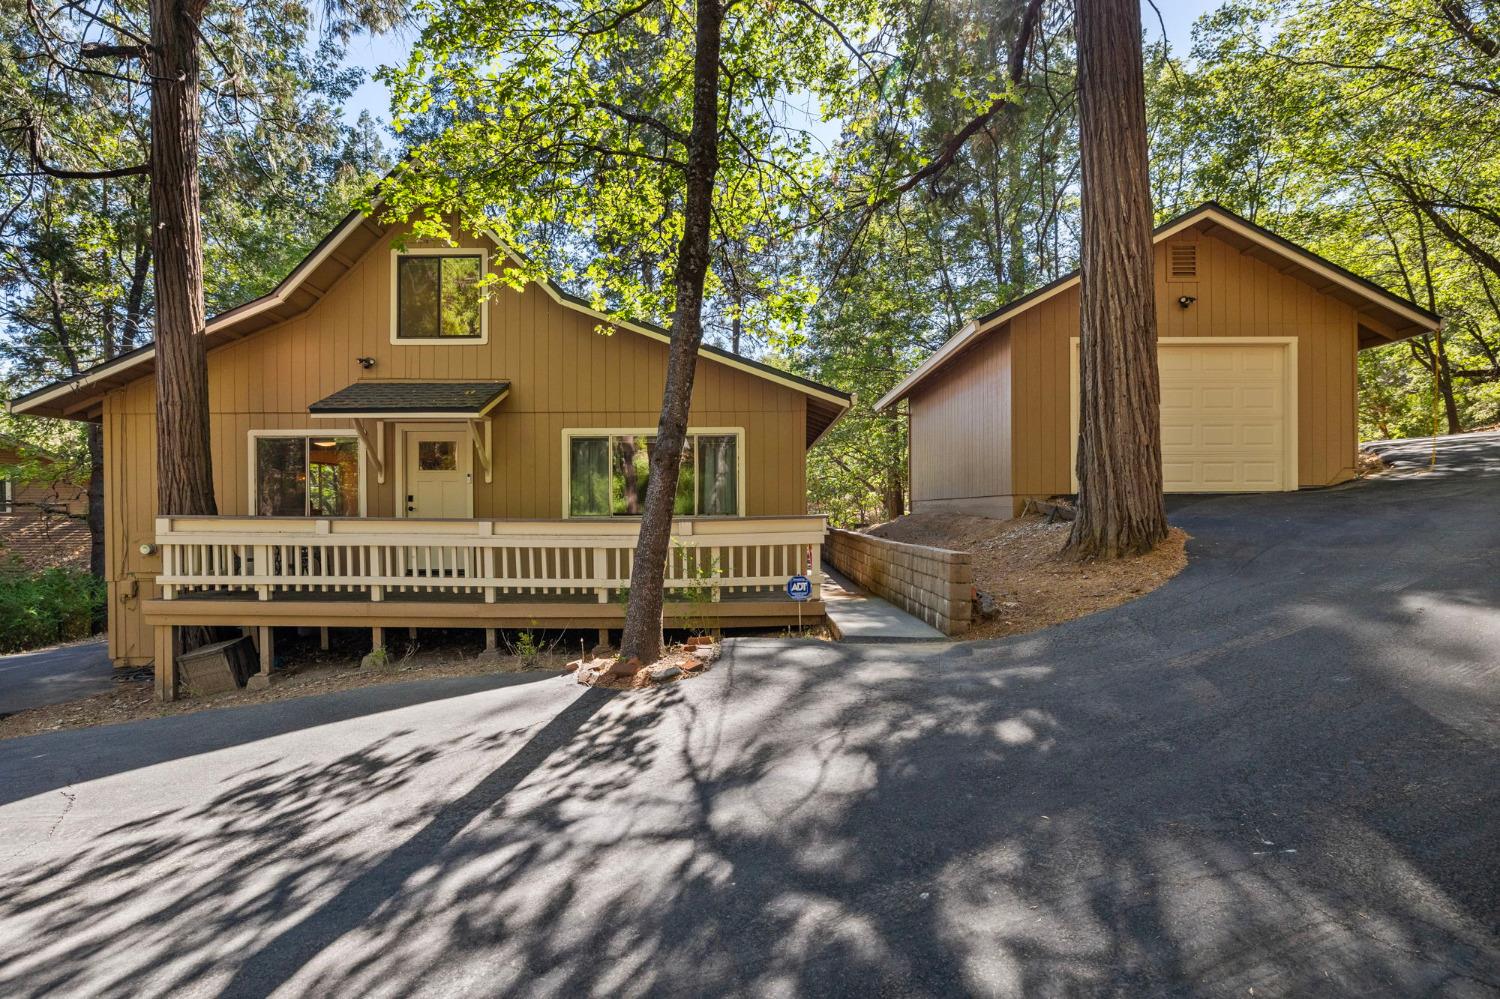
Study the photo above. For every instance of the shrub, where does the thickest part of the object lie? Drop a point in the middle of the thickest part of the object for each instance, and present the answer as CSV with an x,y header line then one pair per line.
x,y
54,605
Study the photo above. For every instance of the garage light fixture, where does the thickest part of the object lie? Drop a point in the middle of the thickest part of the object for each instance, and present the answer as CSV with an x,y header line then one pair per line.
x,y
1186,300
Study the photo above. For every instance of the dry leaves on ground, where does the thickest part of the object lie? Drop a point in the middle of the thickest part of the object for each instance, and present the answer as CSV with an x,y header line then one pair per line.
x,y
1017,563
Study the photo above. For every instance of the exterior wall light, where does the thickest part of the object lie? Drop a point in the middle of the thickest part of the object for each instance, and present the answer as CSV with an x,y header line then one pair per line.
x,y
1186,300
366,362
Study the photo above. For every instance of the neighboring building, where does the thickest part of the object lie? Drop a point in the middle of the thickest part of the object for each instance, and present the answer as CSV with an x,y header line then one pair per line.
x,y
390,452
43,521
1258,344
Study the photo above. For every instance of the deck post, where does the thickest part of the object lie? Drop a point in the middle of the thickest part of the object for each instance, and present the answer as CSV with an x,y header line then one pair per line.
x,y
165,642
488,556
377,639
262,568
323,639
262,680
815,572
491,643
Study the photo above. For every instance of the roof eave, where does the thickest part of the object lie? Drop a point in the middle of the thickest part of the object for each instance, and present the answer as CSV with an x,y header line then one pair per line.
x,y
1421,318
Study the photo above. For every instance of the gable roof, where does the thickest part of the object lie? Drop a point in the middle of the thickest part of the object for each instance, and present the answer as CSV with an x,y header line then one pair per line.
x,y
312,278
1385,317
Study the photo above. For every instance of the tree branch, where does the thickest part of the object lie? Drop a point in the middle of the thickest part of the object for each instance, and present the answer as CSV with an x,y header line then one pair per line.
x,y
34,146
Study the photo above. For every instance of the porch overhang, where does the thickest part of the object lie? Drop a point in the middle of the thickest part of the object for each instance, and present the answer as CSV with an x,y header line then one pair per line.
x,y
372,400
367,401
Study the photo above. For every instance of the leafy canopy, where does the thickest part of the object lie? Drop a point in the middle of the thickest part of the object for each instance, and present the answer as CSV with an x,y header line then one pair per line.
x,y
561,126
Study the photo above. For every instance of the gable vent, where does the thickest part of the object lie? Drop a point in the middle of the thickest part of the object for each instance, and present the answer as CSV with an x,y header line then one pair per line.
x,y
1182,261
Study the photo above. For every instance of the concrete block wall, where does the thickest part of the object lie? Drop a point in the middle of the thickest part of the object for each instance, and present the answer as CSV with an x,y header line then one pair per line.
x,y
934,584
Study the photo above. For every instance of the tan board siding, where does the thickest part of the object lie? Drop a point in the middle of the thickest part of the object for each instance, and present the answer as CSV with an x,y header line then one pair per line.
x,y
563,374
1236,296
960,428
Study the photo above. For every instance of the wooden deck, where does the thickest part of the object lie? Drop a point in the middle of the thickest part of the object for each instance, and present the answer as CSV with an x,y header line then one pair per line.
x,y
264,573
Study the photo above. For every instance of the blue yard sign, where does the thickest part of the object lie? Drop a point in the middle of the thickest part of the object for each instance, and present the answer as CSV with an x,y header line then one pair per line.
x,y
799,588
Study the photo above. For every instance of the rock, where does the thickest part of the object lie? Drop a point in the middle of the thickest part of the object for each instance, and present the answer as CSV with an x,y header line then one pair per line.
x,y
985,606
375,660
601,651
661,673
592,673
704,654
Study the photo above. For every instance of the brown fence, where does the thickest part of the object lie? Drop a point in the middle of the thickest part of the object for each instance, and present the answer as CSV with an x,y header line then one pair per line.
x,y
934,584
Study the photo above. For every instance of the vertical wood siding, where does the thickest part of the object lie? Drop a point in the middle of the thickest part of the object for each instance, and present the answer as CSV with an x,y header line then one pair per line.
x,y
961,429
961,448
563,374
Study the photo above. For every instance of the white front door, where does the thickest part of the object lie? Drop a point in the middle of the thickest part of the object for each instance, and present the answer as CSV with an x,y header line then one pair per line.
x,y
437,475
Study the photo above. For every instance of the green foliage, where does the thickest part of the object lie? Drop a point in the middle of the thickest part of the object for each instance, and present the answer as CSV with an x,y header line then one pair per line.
x,y
1369,132
527,649
279,167
1000,221
702,566
43,608
562,128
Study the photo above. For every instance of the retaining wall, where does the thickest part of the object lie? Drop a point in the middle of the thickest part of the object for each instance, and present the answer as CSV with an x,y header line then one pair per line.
x,y
934,584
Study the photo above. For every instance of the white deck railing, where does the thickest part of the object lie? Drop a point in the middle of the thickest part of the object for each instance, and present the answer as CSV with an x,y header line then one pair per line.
x,y
382,557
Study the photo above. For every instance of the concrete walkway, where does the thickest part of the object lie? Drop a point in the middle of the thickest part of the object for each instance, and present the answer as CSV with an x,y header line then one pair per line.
x,y
855,615
51,676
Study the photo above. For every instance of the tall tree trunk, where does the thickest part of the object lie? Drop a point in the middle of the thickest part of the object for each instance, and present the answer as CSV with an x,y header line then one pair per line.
x,y
643,614
1444,375
895,493
1121,510
96,499
184,468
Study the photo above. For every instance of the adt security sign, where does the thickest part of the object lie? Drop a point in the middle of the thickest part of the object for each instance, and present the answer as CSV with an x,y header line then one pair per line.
x,y
799,588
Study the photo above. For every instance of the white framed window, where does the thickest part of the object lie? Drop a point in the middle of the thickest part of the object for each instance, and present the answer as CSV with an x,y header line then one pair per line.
x,y
606,472
306,473
6,496
436,295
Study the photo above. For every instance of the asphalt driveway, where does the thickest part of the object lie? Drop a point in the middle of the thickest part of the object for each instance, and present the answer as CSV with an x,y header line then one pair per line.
x,y
1277,775
51,676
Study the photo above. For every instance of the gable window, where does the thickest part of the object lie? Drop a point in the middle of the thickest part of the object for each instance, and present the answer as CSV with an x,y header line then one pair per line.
x,y
305,475
437,296
608,472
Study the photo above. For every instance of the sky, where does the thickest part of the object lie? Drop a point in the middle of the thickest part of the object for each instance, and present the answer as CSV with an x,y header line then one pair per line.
x,y
370,53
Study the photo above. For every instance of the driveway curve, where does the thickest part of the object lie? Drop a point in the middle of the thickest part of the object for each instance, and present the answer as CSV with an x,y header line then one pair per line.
x,y
1276,775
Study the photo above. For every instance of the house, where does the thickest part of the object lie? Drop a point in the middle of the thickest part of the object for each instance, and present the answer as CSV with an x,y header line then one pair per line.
x,y
394,447
43,514
1258,344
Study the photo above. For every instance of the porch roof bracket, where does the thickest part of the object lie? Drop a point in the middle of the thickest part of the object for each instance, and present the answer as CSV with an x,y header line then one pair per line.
x,y
479,433
374,445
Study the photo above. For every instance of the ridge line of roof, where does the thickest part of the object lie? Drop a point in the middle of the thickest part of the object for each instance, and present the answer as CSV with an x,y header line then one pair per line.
x,y
977,326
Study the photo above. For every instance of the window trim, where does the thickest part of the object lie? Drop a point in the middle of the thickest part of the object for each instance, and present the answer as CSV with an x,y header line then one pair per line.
x,y
483,254
7,497
250,459
739,461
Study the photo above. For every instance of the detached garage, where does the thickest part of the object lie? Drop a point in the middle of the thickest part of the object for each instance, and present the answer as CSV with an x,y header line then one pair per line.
x,y
1258,340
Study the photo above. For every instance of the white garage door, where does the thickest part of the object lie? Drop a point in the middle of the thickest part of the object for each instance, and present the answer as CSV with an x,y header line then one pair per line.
x,y
1224,418
1228,411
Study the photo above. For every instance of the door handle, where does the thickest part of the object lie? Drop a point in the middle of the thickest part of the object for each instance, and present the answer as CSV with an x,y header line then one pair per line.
x,y
410,508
